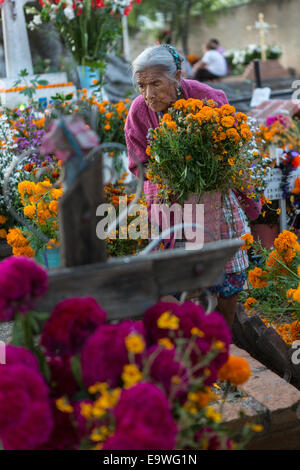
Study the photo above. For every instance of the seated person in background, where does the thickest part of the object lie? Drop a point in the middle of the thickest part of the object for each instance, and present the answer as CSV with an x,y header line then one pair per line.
x,y
212,65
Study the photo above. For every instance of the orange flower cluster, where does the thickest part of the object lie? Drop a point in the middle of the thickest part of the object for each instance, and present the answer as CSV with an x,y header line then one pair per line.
x,y
283,134
40,204
249,304
236,371
248,238
19,243
257,278
38,87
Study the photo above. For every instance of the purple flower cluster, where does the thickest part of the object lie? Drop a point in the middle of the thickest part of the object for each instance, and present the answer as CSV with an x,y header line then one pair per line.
x,y
71,323
22,282
143,420
105,354
212,329
25,414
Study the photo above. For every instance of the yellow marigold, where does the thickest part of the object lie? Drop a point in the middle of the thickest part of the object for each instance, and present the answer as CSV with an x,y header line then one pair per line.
x,y
197,332
63,405
16,238
167,117
148,151
23,251
256,278
166,343
289,293
168,321
246,133
202,397
212,414
296,294
248,238
236,371
53,206
29,211
26,187
227,109
171,125
3,219
135,343
249,303
206,113
3,233
295,330
227,121
241,117
131,375
231,161
285,241
233,133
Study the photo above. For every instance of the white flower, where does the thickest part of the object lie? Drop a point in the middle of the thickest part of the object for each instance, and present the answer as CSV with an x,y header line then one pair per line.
x,y
37,19
69,13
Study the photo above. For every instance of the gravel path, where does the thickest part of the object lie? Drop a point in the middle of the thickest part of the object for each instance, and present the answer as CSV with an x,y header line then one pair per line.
x,y
6,332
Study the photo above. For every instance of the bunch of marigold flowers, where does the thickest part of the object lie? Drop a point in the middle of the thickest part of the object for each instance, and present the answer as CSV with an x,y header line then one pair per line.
x,y
274,285
199,148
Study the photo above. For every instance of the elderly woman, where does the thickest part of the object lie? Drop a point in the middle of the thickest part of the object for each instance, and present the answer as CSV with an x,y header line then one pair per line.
x,y
157,72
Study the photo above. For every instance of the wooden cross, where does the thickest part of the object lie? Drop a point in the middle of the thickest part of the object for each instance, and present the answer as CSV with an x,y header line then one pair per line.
x,y
15,38
263,29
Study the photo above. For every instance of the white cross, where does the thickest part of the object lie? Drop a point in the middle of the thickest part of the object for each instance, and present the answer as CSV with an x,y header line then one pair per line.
x,y
15,38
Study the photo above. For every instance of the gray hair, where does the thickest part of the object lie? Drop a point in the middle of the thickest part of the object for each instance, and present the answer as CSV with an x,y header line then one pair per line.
x,y
157,56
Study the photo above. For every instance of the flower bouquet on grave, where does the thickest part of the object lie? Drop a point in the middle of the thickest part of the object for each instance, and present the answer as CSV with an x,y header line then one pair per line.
x,y
273,291
199,151
90,29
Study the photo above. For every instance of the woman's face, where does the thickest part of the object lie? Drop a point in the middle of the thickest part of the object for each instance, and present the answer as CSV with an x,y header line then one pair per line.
x,y
157,89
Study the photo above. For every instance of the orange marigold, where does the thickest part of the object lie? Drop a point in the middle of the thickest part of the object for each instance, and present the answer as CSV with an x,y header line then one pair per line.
x,y
257,278
249,303
236,371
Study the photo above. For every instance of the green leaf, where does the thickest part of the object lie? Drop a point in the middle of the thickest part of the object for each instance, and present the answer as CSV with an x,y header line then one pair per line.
x,y
43,82
76,370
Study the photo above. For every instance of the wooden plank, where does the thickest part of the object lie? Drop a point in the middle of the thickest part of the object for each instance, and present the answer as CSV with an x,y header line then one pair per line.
x,y
79,243
125,287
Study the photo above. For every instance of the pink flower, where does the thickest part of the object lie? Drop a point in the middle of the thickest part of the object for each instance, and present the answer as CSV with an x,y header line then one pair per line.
x,y
72,321
20,355
56,141
143,420
25,414
22,282
104,354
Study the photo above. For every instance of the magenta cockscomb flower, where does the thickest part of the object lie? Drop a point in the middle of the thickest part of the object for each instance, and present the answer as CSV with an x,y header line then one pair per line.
x,y
143,420
70,324
19,355
105,354
153,332
25,414
22,282
210,333
167,370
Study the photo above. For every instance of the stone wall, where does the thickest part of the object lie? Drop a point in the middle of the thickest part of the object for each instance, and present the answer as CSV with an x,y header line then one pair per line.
x,y
230,27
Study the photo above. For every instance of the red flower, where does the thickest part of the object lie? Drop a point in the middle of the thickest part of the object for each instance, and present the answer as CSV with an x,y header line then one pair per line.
x,y
71,323
25,414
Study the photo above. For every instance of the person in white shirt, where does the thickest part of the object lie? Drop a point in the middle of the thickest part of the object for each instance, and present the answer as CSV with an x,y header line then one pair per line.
x,y
212,65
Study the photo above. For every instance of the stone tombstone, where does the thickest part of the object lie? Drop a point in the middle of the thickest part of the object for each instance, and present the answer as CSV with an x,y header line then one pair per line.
x,y
18,57
15,38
